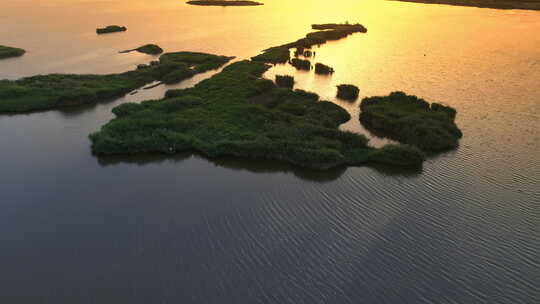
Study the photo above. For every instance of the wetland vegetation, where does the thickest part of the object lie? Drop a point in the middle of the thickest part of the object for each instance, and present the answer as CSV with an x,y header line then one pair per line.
x,y
45,92
7,52
238,113
234,113
326,32
284,81
411,120
274,55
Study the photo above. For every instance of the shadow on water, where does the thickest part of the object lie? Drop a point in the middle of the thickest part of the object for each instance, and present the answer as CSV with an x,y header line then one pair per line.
x,y
253,165
74,111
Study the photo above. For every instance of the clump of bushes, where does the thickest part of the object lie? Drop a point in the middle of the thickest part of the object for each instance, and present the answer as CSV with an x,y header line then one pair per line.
x,y
323,69
180,73
6,52
308,53
411,120
111,29
284,81
299,51
300,64
274,55
347,91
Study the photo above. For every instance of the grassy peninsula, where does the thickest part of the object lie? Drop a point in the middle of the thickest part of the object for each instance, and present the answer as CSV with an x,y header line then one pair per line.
x,y
238,113
224,3
111,29
149,49
45,92
499,4
7,52
411,120
326,32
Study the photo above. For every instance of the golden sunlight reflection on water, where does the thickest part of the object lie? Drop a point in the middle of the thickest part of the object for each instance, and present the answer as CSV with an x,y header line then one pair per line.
x,y
467,57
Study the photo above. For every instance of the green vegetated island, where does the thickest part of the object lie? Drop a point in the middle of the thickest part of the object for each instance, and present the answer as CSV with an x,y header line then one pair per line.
x,y
7,52
111,29
45,92
411,120
224,3
499,4
236,112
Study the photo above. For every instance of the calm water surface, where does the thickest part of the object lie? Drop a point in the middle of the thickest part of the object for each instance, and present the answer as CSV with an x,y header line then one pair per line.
x,y
465,229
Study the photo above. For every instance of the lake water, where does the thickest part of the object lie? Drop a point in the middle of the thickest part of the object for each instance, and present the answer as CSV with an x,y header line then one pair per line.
x,y
465,229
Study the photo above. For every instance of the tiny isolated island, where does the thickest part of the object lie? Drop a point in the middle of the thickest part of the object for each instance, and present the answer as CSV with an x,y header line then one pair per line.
x,y
8,52
224,3
111,29
498,4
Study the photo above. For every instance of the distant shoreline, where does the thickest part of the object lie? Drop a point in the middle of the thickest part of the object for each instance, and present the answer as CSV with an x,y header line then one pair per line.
x,y
497,4
224,3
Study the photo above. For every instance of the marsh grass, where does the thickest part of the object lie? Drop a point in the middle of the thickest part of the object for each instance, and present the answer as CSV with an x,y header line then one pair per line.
x,y
44,92
274,55
219,117
411,120
7,52
281,54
